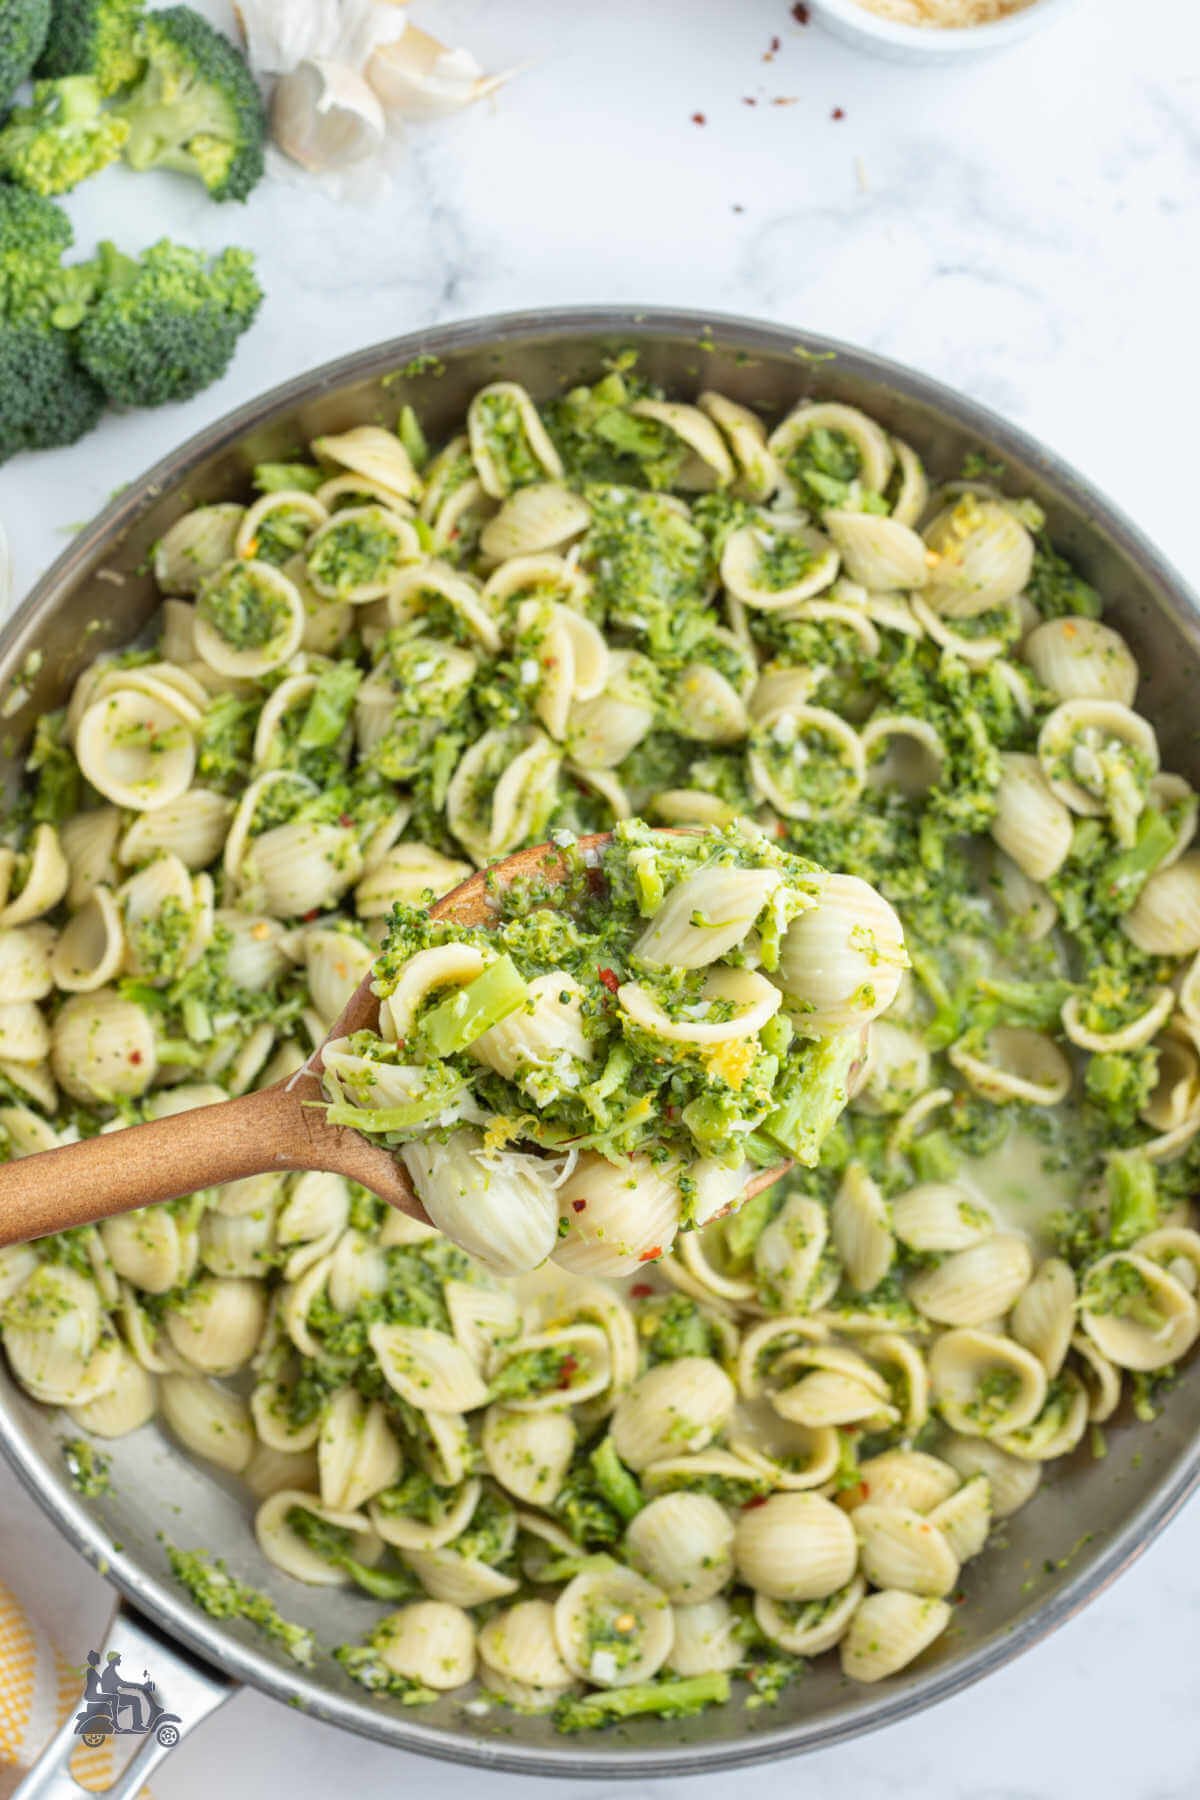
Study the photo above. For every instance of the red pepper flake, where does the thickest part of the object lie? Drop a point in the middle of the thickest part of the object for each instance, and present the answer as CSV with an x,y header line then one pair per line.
x,y
749,100
651,1255
308,917
569,1367
135,1056
609,980
699,119
776,46
737,208
345,819
800,13
837,113
758,1500
578,1205
640,1289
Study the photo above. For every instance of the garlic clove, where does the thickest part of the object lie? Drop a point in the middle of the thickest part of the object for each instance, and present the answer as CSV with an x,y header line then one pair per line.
x,y
325,117
280,34
420,78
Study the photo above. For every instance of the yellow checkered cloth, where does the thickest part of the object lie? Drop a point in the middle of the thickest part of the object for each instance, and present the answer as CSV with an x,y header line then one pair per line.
x,y
38,1688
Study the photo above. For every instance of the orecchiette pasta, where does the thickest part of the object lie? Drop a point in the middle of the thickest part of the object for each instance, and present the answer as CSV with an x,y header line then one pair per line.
x,y
679,1422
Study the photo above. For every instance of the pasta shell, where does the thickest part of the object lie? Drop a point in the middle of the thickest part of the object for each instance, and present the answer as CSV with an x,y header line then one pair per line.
x,y
890,1630
503,410
1058,1427
460,1580
873,447
983,1384
1043,1317
429,1642
982,557
908,1478
544,516
192,828
217,1324
974,1285
529,1453
103,1047
807,1628
677,1406
1015,1063
880,552
501,1208
128,1404
1164,920
683,1543
357,1455
519,1659
899,1548
1011,1483
426,1368
1031,824
859,1227
374,453
758,473
289,1552
408,874
613,1217
452,1512
841,963
195,546
1137,1315
940,1216
795,1547
89,841
208,1420
596,1610
1081,659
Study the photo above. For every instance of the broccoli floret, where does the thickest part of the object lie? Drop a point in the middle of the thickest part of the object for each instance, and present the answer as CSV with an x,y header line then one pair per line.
x,y
196,108
166,327
34,236
46,399
96,38
62,138
23,28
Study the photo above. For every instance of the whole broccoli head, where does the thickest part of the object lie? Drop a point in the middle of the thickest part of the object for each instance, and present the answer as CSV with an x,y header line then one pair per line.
x,y
62,138
166,327
196,108
23,28
96,38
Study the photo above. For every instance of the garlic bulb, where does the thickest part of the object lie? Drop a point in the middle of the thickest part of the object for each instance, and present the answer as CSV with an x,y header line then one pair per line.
x,y
279,35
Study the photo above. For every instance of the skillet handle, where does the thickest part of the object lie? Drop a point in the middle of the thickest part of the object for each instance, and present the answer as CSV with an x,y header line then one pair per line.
x,y
184,1686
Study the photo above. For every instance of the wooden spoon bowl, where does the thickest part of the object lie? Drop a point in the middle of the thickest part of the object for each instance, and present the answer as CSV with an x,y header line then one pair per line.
x,y
275,1130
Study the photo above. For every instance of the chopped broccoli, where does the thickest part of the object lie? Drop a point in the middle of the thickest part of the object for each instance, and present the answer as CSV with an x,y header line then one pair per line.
x,y
23,28
667,1699
166,327
1120,1083
93,37
196,109
62,138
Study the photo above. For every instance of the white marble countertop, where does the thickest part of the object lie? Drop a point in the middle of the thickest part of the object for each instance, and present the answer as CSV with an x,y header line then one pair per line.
x,y
1025,229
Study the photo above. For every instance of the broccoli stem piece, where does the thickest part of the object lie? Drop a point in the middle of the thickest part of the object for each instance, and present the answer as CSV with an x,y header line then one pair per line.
x,y
466,1014
667,1699
614,1480
814,1086
329,709
1132,1197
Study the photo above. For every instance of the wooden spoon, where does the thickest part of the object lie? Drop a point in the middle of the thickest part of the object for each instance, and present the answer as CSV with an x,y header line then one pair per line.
x,y
275,1130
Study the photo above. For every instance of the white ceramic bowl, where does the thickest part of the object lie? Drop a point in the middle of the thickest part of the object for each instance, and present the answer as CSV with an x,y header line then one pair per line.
x,y
928,44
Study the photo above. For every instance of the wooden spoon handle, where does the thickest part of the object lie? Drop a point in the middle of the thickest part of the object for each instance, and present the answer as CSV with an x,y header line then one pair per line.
x,y
267,1132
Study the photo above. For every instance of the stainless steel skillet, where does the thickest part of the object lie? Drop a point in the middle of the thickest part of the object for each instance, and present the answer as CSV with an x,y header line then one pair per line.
x,y
1092,1518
